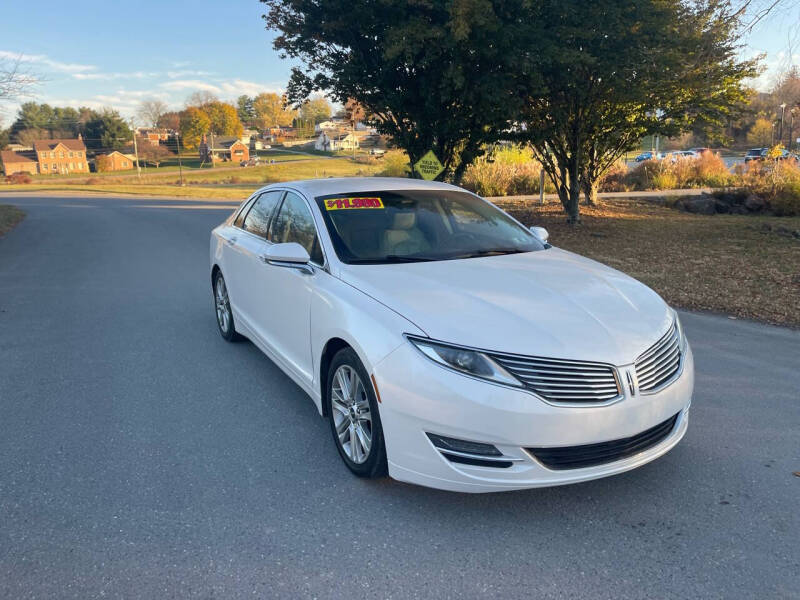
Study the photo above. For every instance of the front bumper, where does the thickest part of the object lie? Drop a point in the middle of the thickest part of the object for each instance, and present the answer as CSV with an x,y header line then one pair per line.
x,y
419,397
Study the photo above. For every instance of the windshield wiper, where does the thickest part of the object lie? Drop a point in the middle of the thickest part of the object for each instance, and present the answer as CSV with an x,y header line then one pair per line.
x,y
392,258
492,252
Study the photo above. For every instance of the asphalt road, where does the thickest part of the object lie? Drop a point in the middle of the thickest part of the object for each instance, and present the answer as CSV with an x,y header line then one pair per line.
x,y
141,456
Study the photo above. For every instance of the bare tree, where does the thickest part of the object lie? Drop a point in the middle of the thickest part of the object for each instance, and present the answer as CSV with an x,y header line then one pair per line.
x,y
15,82
150,111
201,98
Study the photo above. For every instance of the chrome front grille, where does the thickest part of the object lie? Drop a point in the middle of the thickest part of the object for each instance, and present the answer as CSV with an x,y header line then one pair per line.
x,y
661,363
563,381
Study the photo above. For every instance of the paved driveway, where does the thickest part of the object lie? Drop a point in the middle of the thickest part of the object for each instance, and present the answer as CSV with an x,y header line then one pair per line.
x,y
143,457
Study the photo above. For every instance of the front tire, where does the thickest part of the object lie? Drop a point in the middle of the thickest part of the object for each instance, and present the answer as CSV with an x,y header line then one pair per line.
x,y
354,419
222,308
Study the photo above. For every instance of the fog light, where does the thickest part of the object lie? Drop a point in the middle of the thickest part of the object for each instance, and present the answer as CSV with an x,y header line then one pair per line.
x,y
447,443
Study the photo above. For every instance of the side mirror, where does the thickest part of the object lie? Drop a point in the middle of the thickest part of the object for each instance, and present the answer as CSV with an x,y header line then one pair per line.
x,y
290,254
541,233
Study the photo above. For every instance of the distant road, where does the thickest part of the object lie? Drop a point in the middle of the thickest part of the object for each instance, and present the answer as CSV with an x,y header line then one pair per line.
x,y
141,456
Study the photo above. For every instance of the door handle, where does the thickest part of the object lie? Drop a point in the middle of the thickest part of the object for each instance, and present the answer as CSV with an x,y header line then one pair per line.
x,y
230,241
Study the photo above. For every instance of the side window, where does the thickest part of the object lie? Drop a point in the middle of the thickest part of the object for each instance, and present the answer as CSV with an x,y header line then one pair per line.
x,y
294,223
257,219
239,222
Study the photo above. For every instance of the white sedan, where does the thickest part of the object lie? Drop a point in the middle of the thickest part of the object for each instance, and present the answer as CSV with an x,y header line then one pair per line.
x,y
447,344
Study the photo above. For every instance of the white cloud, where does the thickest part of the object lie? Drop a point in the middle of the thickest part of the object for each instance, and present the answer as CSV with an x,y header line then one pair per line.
x,y
110,76
187,73
190,84
42,59
238,87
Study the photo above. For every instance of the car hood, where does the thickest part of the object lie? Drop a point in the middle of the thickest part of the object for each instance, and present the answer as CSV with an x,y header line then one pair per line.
x,y
548,303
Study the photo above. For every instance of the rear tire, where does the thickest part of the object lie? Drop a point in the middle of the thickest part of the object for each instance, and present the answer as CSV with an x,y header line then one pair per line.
x,y
222,308
353,416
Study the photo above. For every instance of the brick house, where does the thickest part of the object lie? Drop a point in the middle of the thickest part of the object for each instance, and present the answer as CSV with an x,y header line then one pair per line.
x,y
61,156
114,161
153,135
222,147
18,162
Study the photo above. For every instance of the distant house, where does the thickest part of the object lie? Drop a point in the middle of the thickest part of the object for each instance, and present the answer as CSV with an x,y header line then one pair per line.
x,y
114,161
221,147
348,142
327,125
18,162
331,143
61,156
154,135
247,137
325,143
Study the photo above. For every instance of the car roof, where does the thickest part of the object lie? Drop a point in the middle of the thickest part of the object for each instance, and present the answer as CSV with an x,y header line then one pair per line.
x,y
348,185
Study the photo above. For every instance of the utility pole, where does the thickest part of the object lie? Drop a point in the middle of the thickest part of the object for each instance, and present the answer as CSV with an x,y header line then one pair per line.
x,y
780,135
178,148
791,127
211,150
136,152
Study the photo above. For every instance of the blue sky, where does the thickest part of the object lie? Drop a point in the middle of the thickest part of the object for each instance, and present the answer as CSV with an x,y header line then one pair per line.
x,y
117,54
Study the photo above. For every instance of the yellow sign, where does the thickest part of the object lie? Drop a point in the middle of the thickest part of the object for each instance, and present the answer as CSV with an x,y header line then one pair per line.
x,y
428,166
350,203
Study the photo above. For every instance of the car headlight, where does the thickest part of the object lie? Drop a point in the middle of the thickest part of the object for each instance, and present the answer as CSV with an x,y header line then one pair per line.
x,y
470,362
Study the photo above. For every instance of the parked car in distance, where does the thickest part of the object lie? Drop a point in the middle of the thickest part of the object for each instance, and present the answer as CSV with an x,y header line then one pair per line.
x,y
377,152
699,151
785,154
447,344
647,156
252,162
755,154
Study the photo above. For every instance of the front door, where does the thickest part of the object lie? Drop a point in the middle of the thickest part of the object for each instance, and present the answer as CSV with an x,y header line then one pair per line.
x,y
245,244
283,314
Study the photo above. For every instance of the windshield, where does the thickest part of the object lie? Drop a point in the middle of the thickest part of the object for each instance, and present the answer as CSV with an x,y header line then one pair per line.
x,y
419,225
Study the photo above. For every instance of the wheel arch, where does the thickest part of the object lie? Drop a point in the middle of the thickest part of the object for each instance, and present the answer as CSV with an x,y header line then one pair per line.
x,y
214,270
332,346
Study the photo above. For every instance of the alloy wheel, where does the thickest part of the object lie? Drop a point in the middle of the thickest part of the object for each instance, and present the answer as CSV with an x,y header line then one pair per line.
x,y
351,414
222,304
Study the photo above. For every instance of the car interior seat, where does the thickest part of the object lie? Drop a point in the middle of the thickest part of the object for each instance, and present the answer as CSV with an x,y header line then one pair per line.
x,y
404,237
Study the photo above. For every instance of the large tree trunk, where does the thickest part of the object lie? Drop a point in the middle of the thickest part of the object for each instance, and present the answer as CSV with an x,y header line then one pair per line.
x,y
589,191
573,204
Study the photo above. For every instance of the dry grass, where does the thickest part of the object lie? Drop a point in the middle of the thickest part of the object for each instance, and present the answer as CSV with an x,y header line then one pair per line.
x,y
9,216
738,265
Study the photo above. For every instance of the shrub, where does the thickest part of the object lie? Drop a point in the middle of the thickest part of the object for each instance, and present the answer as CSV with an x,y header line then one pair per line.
x,y
615,179
510,171
395,164
786,200
18,178
706,170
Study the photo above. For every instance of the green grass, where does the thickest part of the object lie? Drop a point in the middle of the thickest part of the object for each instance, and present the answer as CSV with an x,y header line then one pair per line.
x,y
9,217
263,174
209,183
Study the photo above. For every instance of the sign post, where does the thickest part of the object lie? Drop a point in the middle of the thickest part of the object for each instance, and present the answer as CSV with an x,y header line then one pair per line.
x,y
428,166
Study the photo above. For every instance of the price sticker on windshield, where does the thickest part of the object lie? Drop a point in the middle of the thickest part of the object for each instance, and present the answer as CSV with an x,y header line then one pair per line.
x,y
352,203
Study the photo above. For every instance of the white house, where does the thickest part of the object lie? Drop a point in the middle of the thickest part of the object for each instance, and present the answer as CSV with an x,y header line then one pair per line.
x,y
348,142
327,125
325,143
